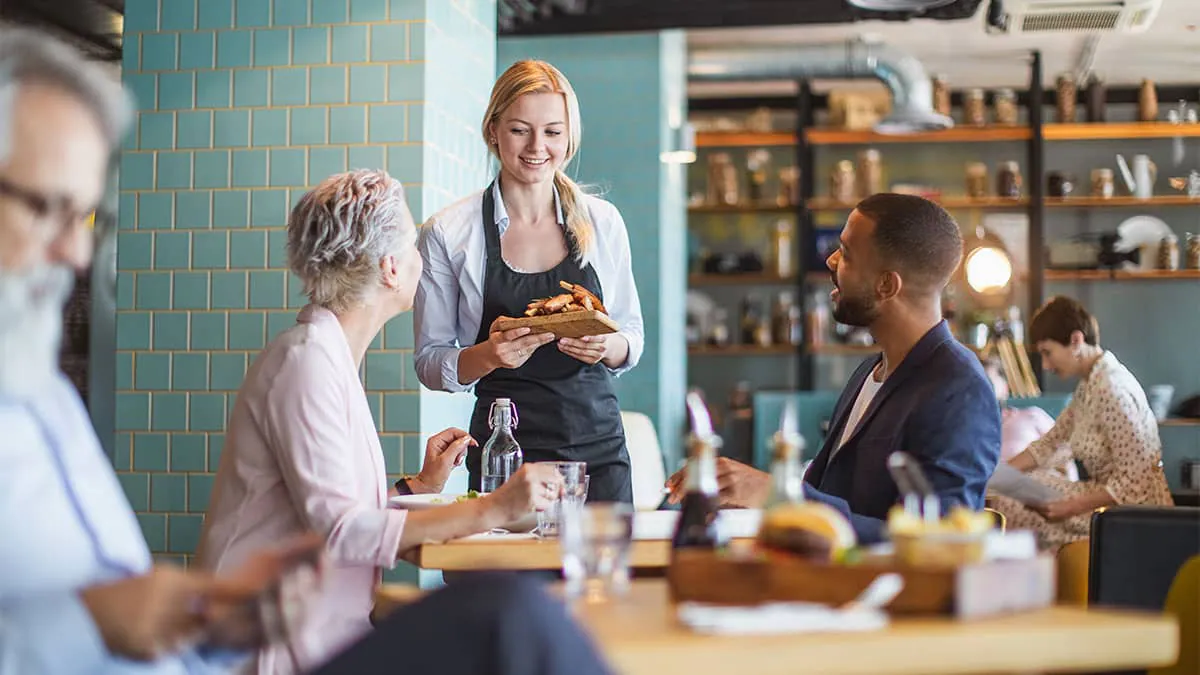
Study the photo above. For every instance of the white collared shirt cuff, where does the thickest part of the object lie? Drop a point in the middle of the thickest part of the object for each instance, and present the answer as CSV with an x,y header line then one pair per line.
x,y
450,372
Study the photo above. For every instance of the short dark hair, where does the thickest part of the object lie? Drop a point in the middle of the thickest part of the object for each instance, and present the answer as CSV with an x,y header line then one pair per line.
x,y
1061,316
916,237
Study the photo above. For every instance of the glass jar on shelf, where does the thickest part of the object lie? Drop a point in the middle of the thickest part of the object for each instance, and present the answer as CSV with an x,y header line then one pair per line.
x,y
974,108
869,174
722,180
1008,180
1004,106
977,180
842,183
1193,251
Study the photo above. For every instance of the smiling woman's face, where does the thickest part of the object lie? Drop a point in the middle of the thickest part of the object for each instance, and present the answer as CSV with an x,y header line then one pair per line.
x,y
532,138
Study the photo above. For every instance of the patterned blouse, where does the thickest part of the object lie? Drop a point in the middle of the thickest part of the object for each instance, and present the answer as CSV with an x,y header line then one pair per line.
x,y
1109,428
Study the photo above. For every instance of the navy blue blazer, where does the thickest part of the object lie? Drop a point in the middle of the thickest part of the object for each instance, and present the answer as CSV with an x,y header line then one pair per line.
x,y
939,407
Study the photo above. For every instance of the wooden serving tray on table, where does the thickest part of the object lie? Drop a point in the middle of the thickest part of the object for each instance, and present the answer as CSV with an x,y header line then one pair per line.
x,y
570,324
967,591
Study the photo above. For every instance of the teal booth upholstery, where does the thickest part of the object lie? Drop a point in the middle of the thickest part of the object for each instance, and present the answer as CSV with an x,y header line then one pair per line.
x,y
814,408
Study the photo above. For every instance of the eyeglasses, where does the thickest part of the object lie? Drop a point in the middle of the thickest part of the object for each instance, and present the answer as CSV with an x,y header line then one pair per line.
x,y
58,210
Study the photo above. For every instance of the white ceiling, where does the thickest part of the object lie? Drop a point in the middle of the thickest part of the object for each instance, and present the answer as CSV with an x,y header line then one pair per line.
x,y
1168,52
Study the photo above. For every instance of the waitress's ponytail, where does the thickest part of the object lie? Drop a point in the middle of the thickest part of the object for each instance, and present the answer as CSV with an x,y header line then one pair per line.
x,y
575,213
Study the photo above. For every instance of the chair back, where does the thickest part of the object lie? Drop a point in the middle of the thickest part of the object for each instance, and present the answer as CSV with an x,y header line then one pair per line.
x,y
1136,551
645,460
1072,563
1183,602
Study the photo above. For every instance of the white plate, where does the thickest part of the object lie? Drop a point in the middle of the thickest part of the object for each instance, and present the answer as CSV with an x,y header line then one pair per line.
x,y
419,502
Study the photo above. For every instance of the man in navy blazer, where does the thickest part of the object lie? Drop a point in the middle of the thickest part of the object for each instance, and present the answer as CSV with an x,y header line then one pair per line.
x,y
925,393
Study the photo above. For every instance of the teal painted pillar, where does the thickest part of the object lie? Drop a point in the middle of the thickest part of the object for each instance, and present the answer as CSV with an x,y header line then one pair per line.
x,y
242,107
632,91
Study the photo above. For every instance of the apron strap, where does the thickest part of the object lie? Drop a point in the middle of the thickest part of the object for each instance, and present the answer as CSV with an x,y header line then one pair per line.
x,y
491,232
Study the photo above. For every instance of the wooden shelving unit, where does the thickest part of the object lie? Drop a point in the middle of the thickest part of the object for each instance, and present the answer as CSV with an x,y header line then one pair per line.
x,y
960,134
949,202
842,350
1088,202
1121,275
1179,422
1108,131
748,208
744,350
742,139
739,280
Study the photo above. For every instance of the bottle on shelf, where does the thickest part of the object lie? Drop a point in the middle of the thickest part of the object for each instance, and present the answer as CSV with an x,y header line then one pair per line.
x,y
782,244
785,321
502,454
818,319
698,526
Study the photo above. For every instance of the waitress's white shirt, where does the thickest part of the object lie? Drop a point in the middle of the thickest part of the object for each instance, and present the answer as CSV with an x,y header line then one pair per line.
x,y
449,300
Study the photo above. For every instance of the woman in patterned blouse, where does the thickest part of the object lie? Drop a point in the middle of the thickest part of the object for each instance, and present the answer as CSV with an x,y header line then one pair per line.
x,y
1108,427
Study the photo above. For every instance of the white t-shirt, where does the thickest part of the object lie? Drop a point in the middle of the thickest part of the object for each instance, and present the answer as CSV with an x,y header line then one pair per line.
x,y
866,394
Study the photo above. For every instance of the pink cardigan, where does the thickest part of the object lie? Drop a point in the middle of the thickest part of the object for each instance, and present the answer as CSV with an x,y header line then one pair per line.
x,y
302,454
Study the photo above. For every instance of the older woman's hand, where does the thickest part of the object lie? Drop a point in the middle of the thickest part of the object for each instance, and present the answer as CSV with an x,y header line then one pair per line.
x,y
512,348
534,487
444,451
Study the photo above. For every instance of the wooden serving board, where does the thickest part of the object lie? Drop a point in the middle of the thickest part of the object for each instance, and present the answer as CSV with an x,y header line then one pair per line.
x,y
571,324
983,589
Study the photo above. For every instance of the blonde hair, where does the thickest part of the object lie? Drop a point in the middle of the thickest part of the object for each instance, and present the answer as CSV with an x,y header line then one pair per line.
x,y
539,77
341,229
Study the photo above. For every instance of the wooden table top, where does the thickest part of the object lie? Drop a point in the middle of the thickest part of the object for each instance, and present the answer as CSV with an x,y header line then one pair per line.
x,y
651,547
638,634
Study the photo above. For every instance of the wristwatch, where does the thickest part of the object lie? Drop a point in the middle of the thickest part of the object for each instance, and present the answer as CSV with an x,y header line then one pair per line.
x,y
402,486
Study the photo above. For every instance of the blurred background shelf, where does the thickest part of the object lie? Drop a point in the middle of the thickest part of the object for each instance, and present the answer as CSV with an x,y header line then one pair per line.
x,y
1123,130
950,202
962,134
1158,200
1179,422
744,350
1120,275
742,139
749,208
739,280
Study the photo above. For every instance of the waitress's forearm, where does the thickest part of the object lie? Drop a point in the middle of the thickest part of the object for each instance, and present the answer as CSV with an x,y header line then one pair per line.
x,y
617,352
447,522
474,362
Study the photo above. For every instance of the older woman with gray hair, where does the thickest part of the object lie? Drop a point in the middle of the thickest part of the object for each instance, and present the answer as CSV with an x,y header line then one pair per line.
x,y
301,450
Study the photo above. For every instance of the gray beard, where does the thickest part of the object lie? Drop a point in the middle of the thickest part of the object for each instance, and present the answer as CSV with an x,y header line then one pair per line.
x,y
31,306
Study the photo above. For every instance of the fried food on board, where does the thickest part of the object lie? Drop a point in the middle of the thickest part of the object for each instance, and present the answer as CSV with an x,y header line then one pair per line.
x,y
579,299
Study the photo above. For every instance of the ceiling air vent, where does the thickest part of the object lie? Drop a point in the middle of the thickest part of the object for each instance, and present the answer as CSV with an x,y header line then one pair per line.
x,y
1056,16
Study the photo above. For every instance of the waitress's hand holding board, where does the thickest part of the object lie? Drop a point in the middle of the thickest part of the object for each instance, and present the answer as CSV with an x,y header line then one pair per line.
x,y
512,348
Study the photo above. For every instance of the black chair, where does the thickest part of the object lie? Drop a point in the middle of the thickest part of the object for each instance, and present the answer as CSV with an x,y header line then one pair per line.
x,y
1136,551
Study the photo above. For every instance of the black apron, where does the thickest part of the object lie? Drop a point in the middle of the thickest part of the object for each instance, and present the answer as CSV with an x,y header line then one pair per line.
x,y
566,410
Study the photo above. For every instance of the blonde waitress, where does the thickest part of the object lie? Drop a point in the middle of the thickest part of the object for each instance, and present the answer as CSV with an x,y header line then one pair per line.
x,y
490,253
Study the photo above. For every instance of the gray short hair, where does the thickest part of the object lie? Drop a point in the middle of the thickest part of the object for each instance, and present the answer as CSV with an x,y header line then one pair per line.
x,y
341,229
31,57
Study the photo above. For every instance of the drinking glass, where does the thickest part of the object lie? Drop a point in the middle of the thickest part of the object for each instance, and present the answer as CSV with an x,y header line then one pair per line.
x,y
574,476
595,541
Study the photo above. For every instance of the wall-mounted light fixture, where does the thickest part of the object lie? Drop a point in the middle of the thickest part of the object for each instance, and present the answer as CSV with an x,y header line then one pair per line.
x,y
682,146
988,268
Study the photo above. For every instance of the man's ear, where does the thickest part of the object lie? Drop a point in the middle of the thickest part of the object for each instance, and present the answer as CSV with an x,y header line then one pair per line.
x,y
1077,340
889,285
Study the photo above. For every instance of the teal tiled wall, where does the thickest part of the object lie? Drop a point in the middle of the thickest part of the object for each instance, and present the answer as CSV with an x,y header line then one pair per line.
x,y
630,88
242,106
